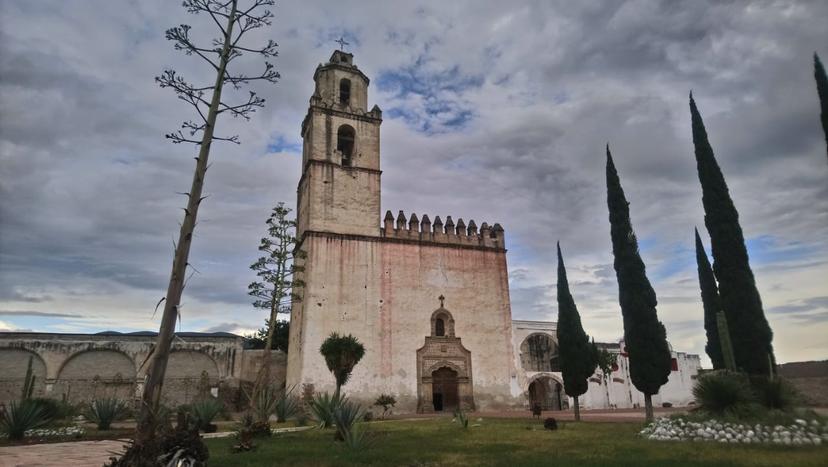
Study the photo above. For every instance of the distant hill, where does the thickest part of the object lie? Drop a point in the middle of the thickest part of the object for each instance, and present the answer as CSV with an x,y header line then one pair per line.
x,y
804,369
810,379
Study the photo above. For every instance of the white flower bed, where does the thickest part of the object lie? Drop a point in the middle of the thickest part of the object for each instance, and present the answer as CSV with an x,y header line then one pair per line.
x,y
75,431
800,433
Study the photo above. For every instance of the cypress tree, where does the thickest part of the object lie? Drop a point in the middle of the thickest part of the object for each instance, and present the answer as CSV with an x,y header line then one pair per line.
x,y
749,330
644,335
711,305
577,356
822,89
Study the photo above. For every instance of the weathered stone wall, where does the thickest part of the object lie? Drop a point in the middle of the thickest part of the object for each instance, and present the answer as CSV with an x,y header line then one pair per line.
x,y
336,199
81,367
252,362
617,391
384,291
13,366
96,373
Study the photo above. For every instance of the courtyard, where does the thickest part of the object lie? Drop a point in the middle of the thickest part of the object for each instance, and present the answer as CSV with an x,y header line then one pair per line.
x,y
491,439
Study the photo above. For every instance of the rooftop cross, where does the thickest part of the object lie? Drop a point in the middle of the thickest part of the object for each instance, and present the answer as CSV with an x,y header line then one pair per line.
x,y
342,43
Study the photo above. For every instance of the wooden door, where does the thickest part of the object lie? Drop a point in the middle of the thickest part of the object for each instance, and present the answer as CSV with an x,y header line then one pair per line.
x,y
444,387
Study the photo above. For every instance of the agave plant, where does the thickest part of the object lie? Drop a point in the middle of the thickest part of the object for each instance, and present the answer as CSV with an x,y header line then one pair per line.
x,y
106,410
358,437
461,418
323,406
264,403
345,416
723,392
20,417
204,412
286,407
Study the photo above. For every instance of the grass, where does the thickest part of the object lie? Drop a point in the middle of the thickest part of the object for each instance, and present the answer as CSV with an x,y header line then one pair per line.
x,y
507,442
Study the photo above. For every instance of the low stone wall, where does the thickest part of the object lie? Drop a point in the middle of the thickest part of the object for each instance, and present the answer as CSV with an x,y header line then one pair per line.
x,y
82,367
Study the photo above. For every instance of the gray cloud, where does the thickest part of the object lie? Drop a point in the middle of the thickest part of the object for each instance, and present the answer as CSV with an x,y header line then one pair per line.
x,y
37,313
501,109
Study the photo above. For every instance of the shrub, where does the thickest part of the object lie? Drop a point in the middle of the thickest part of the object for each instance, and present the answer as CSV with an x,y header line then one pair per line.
x,y
105,411
723,393
249,427
264,403
774,394
323,406
550,424
387,402
286,407
181,446
204,412
301,417
462,418
22,416
358,437
55,409
345,417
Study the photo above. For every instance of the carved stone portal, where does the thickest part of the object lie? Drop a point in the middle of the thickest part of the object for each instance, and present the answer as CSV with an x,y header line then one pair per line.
x,y
444,371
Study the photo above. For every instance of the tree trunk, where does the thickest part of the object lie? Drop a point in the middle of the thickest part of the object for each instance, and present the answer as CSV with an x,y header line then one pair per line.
x,y
161,352
648,407
577,410
263,378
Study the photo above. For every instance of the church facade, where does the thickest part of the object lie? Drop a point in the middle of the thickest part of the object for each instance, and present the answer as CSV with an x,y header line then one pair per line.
x,y
428,298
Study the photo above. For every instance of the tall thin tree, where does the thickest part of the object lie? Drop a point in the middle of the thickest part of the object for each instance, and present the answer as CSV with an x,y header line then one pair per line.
x,y
822,90
644,335
233,23
577,356
711,305
276,271
749,330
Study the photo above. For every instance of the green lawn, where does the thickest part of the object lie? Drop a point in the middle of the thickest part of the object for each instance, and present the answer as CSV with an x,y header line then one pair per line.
x,y
510,442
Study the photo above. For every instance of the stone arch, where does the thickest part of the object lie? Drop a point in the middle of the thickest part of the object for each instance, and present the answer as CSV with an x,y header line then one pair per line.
x,y
14,362
442,315
345,91
345,143
447,364
190,374
94,373
546,391
539,352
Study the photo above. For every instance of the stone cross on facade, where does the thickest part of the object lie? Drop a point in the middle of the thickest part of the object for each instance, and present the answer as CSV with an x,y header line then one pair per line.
x,y
342,43
442,299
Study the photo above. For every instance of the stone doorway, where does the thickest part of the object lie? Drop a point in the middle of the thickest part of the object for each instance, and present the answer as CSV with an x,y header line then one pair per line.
x,y
546,392
444,368
444,395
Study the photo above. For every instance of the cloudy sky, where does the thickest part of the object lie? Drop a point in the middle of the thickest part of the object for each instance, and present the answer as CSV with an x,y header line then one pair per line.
x,y
501,109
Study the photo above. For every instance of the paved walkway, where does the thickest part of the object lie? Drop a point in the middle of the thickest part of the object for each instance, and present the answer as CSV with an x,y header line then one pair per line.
x,y
75,453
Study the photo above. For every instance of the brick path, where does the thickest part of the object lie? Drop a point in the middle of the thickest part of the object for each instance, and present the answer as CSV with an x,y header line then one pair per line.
x,y
75,453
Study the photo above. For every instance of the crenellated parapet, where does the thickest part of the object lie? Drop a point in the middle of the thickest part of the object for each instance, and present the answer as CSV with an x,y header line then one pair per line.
x,y
459,233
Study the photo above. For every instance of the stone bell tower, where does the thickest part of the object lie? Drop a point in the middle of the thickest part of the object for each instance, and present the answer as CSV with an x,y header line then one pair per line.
x,y
339,191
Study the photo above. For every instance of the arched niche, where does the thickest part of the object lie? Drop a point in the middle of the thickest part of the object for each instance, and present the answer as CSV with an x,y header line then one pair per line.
x,y
345,143
96,373
345,91
14,364
539,352
546,392
190,374
442,323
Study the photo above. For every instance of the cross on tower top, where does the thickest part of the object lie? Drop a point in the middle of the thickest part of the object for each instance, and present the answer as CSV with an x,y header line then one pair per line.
x,y
342,43
442,299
